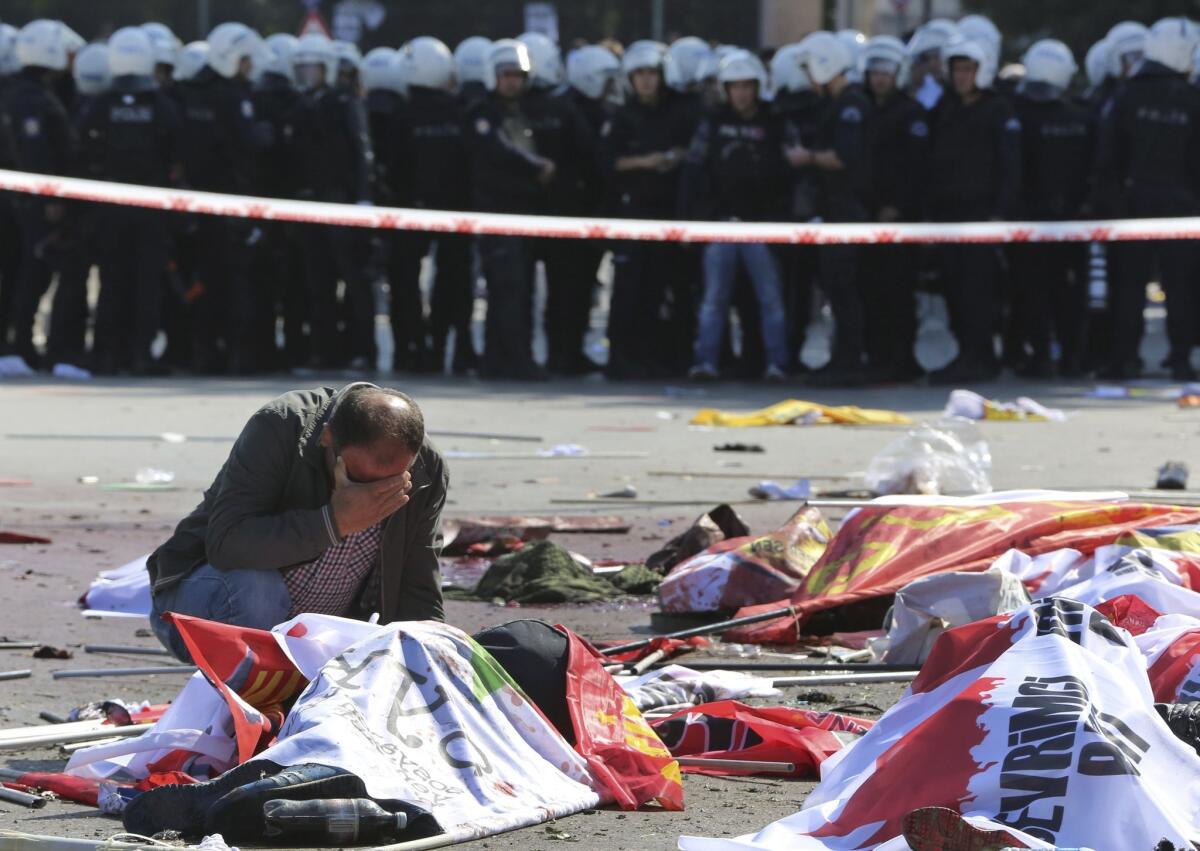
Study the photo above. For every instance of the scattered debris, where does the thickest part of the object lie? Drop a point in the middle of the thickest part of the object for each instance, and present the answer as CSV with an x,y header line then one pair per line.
x,y
49,651
949,456
970,405
16,675
709,528
768,490
1173,476
20,538
738,447
627,492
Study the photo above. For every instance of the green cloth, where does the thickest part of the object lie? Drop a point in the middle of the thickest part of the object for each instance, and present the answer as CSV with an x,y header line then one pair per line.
x,y
544,572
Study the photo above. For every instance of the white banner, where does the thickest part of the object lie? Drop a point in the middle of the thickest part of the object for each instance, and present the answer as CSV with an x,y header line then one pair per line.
x,y
1042,721
569,227
423,714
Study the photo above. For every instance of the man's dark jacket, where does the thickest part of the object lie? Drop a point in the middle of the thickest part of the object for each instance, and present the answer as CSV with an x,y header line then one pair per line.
x,y
268,508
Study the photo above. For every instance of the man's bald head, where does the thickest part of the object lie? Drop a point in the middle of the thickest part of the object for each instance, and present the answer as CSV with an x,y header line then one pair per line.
x,y
385,421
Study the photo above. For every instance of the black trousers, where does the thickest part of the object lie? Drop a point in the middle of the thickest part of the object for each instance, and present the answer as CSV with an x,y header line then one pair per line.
x,y
45,245
571,267
132,284
508,265
1050,299
651,320
345,330
888,282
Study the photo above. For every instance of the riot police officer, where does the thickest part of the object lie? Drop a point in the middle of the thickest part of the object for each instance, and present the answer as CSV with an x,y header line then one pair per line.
x,y
975,174
43,141
1147,167
642,148
734,171
133,132
434,167
839,157
563,135
510,175
221,141
1057,143
334,162
898,133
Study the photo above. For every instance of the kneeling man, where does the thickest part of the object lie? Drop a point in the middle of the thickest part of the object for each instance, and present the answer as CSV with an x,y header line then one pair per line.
x,y
329,502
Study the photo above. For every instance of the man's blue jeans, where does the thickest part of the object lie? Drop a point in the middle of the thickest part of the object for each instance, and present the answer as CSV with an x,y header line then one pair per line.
x,y
721,261
254,598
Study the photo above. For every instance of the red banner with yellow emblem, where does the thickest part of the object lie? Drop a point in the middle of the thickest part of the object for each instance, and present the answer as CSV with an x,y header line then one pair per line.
x,y
250,671
610,733
881,549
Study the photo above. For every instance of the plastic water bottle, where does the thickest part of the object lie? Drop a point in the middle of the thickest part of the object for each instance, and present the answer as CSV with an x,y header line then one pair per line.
x,y
331,822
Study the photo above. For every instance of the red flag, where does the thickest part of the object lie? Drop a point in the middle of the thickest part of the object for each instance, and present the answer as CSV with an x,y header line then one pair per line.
x,y
81,790
250,671
1129,612
610,733
727,729
880,550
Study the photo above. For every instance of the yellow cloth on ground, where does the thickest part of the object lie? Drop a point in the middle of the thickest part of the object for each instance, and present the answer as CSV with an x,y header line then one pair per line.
x,y
798,412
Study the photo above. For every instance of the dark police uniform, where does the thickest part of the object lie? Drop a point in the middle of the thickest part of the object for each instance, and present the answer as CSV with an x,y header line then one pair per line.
x,y
1057,146
1148,165
975,175
132,132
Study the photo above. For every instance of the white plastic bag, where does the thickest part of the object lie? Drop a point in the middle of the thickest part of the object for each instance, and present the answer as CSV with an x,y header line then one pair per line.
x,y
949,456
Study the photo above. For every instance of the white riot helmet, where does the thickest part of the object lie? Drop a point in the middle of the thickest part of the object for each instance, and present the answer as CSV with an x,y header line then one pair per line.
x,y
1172,42
90,69
380,69
786,73
930,37
963,48
192,58
229,44
427,62
687,54
886,54
8,49
856,41
1051,62
591,68
981,29
824,57
1096,63
469,57
505,52
314,50
40,44
166,45
546,59
348,58
281,47
644,54
742,65
130,53
73,42
1126,45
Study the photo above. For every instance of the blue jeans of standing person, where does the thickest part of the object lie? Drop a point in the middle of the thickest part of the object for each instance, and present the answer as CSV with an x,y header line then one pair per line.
x,y
253,598
721,260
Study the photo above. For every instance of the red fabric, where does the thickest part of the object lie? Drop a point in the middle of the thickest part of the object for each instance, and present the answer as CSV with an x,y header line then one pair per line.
x,y
164,778
18,538
1129,612
798,736
81,790
620,747
880,550
247,663
671,645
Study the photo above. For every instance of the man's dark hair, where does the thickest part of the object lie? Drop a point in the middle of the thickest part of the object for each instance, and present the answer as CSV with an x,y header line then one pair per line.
x,y
365,416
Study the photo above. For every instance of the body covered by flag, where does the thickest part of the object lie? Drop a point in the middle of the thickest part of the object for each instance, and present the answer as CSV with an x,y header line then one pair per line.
x,y
743,571
423,714
1041,719
1171,646
880,550
621,749
231,709
728,729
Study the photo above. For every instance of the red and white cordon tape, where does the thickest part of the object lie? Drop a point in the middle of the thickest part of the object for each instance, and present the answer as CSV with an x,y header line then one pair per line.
x,y
570,227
